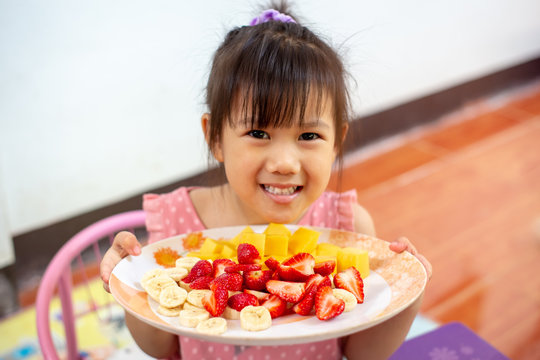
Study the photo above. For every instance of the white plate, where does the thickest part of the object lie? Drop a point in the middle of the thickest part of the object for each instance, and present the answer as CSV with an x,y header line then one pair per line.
x,y
395,281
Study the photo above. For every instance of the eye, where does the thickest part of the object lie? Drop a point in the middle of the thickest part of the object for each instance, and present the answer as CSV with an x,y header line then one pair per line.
x,y
309,136
258,134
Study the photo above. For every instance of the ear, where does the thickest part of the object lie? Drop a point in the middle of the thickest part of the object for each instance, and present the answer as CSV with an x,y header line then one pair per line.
x,y
216,148
344,131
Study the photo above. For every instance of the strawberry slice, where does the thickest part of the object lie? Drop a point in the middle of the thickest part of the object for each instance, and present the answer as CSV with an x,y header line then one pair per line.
x,y
215,302
260,295
271,263
241,300
201,283
219,266
350,280
297,268
247,254
242,267
201,268
325,268
286,290
257,279
305,305
327,306
275,305
231,281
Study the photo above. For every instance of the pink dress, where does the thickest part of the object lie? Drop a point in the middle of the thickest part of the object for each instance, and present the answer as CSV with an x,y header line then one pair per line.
x,y
173,213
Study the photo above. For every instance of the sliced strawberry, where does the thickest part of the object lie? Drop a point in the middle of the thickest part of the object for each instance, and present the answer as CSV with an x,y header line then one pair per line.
x,y
241,300
350,280
257,279
325,268
242,267
272,263
286,290
326,282
297,268
215,302
327,306
219,266
275,305
260,295
231,281
305,305
247,254
201,283
201,268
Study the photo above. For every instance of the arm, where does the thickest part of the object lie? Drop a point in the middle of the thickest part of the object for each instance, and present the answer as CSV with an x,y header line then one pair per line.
x,y
154,342
380,341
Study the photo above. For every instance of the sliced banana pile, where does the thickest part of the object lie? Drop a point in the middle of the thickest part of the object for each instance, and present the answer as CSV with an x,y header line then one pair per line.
x,y
347,296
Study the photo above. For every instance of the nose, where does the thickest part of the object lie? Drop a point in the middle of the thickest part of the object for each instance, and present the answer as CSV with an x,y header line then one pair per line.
x,y
283,160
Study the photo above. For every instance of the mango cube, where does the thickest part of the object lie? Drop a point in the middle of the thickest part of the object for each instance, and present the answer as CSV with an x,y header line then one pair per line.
x,y
276,245
204,256
277,229
228,251
235,240
256,239
358,258
303,240
327,249
211,246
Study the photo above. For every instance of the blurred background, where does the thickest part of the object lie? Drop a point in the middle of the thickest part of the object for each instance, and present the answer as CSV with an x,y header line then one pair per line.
x,y
100,102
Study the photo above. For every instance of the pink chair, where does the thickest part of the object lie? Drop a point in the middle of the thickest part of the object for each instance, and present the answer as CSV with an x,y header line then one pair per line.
x,y
58,275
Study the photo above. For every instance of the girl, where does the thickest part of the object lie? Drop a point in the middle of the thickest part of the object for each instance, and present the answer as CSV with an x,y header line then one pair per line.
x,y
278,117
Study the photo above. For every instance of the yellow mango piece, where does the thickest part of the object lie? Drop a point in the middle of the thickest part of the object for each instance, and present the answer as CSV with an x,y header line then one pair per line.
x,y
276,245
228,251
277,229
211,246
256,239
303,240
327,249
235,240
358,258
204,256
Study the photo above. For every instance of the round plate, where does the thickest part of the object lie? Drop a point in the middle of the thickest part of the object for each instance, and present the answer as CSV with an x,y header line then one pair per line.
x,y
395,281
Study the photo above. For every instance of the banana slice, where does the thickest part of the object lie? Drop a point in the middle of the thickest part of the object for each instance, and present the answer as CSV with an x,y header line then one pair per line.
x,y
184,286
187,262
172,296
170,312
150,274
212,326
176,273
192,317
195,297
154,286
347,297
231,314
255,318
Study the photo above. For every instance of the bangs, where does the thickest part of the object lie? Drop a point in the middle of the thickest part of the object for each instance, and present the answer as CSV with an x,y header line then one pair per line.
x,y
275,81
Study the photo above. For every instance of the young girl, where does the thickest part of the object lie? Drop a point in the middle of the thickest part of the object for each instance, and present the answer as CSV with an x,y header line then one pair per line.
x,y
278,111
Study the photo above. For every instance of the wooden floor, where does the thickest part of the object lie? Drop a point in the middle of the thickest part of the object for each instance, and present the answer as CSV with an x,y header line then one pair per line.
x,y
467,193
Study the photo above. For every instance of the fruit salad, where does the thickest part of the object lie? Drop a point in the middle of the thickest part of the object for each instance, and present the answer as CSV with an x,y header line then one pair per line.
x,y
257,277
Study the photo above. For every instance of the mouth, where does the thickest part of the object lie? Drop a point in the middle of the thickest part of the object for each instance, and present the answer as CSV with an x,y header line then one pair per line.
x,y
281,190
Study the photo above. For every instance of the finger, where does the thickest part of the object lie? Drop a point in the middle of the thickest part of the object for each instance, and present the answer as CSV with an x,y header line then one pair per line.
x,y
409,246
427,265
125,243
109,261
397,246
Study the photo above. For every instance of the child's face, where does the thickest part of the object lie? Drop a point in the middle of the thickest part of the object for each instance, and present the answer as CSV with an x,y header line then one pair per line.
x,y
276,173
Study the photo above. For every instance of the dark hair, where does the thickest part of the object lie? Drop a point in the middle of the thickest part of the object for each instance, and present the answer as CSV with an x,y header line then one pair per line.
x,y
271,70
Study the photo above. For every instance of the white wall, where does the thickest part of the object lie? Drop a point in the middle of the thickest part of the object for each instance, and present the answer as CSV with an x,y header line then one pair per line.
x,y
101,99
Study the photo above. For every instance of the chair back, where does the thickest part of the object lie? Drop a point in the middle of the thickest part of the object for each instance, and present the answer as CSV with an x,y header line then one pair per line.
x,y
58,276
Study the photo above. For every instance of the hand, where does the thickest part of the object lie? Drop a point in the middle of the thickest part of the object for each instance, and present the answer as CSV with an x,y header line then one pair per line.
x,y
124,244
404,244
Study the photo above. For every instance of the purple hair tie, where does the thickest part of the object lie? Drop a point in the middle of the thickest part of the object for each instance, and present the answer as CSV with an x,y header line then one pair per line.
x,y
271,15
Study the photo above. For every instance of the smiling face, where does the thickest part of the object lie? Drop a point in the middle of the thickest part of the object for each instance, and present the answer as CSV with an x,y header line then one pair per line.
x,y
275,173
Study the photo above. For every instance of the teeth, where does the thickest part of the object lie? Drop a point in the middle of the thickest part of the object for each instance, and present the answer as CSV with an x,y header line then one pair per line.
x,y
280,191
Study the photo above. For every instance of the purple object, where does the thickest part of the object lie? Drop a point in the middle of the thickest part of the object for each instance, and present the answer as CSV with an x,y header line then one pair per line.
x,y
453,341
271,15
